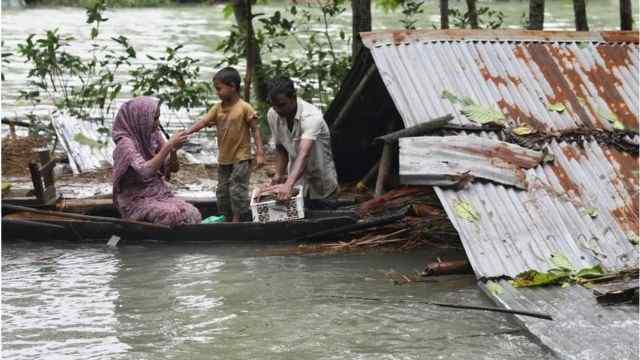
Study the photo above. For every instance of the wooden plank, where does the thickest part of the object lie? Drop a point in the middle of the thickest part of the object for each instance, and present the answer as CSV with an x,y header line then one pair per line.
x,y
417,130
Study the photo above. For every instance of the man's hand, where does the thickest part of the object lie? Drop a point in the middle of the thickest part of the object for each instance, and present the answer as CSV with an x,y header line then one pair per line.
x,y
260,161
282,191
278,179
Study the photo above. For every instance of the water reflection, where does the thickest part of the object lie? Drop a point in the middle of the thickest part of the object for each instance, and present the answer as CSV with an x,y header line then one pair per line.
x,y
159,301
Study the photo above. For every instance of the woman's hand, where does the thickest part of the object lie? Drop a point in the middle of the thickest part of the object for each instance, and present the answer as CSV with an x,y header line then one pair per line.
x,y
178,139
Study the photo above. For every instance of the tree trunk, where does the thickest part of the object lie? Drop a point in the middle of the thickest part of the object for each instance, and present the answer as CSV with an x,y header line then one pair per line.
x,y
473,14
626,15
536,15
444,14
361,22
580,10
244,19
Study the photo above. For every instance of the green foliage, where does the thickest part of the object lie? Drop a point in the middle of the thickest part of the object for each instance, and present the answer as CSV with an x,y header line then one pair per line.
x,y
410,9
563,273
487,18
174,79
320,68
5,60
74,85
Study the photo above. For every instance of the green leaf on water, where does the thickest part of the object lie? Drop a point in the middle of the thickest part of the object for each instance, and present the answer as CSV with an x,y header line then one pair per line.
x,y
483,114
557,107
561,262
494,287
446,94
466,211
523,130
591,211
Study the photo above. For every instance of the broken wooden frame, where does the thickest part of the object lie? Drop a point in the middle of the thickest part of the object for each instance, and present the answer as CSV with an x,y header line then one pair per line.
x,y
42,177
391,143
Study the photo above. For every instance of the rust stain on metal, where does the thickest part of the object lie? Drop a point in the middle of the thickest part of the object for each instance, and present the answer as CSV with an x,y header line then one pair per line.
x,y
502,156
605,83
571,153
620,36
542,55
627,217
487,76
399,37
565,181
520,117
614,55
627,166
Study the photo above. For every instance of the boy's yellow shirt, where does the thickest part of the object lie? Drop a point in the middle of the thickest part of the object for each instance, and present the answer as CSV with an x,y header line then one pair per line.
x,y
233,131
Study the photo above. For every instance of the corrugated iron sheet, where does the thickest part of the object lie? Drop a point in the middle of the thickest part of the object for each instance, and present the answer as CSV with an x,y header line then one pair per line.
x,y
585,204
520,74
89,149
593,332
451,160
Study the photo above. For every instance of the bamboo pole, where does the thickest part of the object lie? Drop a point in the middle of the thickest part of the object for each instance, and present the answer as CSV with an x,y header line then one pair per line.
x,y
86,217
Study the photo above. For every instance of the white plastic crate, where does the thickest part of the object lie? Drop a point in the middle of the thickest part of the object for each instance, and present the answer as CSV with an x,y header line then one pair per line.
x,y
272,210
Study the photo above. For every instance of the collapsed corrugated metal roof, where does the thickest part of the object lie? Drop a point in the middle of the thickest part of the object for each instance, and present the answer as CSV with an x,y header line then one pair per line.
x,y
576,95
89,146
585,204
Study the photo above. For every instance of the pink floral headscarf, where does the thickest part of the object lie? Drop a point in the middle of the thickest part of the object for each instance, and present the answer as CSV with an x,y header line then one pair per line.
x,y
135,122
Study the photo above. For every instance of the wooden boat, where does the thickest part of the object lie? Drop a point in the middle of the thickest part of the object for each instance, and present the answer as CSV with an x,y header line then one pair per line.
x,y
39,224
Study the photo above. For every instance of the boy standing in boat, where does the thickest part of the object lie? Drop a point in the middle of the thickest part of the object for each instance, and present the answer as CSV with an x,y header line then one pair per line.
x,y
235,120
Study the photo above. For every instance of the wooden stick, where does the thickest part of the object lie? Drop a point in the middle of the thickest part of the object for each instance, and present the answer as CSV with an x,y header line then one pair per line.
x,y
456,306
349,228
416,130
85,217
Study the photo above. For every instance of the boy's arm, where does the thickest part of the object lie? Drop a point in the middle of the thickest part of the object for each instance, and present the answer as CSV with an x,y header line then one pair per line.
x,y
206,120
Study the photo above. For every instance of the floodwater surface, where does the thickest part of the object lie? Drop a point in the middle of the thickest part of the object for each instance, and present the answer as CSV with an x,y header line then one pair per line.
x,y
161,301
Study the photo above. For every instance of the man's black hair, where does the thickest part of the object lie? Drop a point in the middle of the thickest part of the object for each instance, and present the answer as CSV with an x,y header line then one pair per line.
x,y
228,76
281,86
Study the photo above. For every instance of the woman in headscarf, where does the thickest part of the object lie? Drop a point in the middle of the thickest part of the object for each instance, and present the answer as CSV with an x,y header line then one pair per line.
x,y
140,165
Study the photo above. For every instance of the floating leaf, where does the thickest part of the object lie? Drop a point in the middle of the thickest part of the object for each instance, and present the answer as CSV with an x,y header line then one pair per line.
x,y
557,107
466,211
591,211
483,114
449,96
523,130
494,288
561,262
